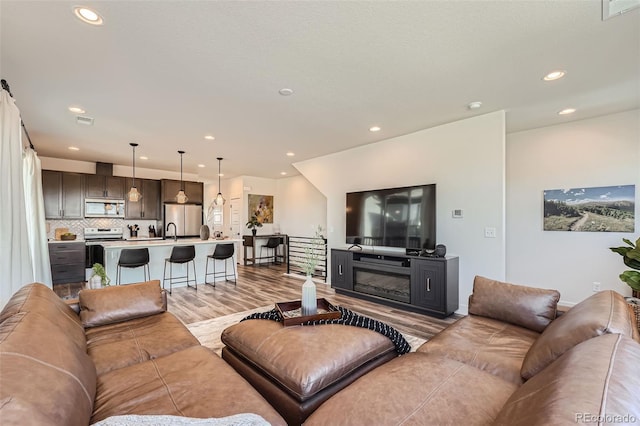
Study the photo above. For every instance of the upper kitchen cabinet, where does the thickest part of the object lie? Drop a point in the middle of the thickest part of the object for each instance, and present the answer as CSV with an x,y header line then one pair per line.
x,y
194,191
63,194
149,205
99,186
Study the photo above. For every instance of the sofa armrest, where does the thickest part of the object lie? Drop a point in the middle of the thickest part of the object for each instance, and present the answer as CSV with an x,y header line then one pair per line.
x,y
528,307
121,303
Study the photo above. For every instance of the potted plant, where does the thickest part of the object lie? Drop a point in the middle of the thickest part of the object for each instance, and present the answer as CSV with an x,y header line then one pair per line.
x,y
254,223
99,277
631,257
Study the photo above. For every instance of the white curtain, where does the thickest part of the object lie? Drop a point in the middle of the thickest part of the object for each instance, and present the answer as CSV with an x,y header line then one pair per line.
x,y
15,256
36,224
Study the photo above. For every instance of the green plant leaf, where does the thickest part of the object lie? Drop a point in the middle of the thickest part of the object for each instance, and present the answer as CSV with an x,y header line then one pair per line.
x,y
629,241
633,254
620,250
631,263
632,278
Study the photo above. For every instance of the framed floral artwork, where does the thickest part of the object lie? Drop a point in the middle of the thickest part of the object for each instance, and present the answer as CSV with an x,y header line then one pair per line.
x,y
261,206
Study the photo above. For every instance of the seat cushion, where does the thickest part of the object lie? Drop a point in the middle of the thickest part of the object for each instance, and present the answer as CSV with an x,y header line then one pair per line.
x,y
529,307
120,303
595,382
417,389
493,346
122,344
305,359
193,382
604,312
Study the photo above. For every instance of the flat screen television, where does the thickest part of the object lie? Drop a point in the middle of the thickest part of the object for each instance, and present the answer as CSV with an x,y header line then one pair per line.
x,y
393,217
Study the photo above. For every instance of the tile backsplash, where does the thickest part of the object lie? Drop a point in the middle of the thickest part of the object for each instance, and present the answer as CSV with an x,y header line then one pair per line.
x,y
77,226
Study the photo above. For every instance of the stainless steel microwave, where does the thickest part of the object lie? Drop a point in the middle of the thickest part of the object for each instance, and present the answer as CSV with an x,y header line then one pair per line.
x,y
102,207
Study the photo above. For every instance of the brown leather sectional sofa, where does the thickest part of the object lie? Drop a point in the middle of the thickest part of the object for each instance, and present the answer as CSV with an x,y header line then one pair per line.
x,y
123,354
509,362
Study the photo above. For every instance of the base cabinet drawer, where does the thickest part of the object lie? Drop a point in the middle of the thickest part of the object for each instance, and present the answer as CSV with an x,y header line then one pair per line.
x,y
62,274
67,262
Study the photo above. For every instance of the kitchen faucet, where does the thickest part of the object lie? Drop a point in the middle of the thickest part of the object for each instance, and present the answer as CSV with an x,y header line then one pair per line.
x,y
175,230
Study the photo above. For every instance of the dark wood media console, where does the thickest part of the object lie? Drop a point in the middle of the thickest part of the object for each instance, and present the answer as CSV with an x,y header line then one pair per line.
x,y
428,285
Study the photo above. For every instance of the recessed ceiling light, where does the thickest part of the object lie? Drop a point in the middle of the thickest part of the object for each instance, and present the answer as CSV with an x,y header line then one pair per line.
x,y
285,91
76,110
474,105
201,165
554,75
74,148
374,129
221,174
209,137
283,173
144,158
290,154
87,15
567,111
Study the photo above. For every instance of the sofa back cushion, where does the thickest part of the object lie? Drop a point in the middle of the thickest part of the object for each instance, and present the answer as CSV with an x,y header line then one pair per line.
x,y
114,304
604,312
528,307
47,376
595,382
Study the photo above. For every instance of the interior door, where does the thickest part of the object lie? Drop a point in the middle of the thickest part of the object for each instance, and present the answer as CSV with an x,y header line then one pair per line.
x,y
236,226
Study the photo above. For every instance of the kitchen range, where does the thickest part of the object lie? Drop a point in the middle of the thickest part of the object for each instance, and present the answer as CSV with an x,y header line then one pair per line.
x,y
93,237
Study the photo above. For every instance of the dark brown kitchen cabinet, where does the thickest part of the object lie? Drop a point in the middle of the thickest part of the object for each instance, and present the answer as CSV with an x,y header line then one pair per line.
x,y
63,194
149,205
194,191
99,186
67,262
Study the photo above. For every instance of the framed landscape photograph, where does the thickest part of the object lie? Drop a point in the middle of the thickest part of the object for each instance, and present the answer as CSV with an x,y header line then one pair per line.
x,y
600,209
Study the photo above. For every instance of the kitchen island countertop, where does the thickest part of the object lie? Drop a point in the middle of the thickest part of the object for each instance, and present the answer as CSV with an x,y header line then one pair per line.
x,y
147,242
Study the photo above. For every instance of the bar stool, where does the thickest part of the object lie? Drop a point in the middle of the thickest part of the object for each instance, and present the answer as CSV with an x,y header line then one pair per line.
x,y
180,254
221,252
133,258
272,244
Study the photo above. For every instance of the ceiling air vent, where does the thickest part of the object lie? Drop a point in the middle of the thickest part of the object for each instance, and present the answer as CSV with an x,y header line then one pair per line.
x,y
87,121
611,8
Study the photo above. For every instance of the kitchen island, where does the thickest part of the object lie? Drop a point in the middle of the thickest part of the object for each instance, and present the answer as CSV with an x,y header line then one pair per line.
x,y
159,250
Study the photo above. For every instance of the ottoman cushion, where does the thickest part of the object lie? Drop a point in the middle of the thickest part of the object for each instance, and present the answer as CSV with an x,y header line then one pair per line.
x,y
305,359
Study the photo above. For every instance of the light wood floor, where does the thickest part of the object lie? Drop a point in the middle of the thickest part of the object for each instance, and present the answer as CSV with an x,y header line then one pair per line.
x,y
265,285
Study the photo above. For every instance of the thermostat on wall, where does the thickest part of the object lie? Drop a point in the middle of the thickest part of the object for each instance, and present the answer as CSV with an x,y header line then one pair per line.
x,y
456,213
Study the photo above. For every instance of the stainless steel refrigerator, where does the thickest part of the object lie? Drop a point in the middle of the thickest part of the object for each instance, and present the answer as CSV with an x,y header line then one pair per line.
x,y
187,217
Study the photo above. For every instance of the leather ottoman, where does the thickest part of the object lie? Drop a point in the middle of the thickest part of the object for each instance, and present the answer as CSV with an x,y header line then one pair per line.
x,y
298,368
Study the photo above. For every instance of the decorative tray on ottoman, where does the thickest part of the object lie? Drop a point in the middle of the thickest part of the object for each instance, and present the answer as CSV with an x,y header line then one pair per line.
x,y
291,312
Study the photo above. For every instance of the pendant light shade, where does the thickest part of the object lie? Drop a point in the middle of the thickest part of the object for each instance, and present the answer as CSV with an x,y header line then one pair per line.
x,y
219,200
181,197
134,195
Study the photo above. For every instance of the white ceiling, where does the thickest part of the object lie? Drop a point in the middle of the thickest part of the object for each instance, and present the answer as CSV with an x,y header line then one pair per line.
x,y
165,73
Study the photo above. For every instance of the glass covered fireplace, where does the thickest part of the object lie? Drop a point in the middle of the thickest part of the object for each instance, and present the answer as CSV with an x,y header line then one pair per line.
x,y
376,282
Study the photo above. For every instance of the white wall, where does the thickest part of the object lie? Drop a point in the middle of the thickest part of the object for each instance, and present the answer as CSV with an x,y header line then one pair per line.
x,y
301,207
466,159
602,151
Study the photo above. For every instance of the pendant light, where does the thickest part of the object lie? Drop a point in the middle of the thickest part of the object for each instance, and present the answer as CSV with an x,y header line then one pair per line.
x,y
181,197
219,200
134,195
